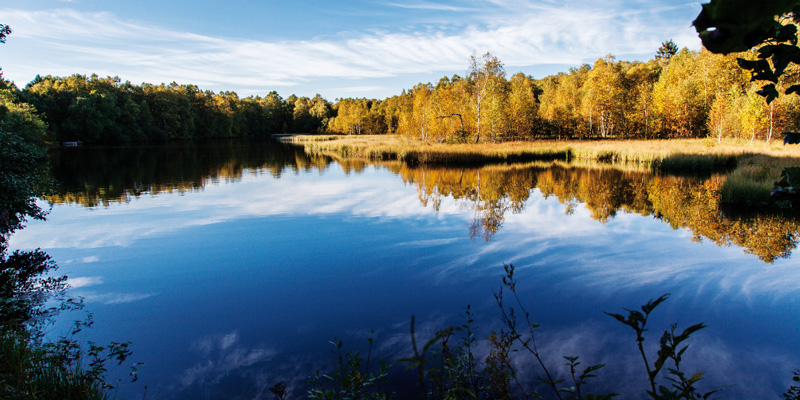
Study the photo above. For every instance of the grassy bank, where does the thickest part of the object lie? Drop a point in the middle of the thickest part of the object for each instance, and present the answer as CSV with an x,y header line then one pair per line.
x,y
751,168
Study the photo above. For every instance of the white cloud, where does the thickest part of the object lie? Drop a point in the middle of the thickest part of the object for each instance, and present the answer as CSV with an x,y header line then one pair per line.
x,y
358,89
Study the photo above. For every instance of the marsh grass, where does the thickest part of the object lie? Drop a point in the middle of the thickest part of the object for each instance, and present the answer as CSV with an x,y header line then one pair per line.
x,y
754,177
750,168
388,148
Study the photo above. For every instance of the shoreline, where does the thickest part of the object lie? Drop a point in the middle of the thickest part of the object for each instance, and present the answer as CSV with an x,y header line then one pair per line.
x,y
750,168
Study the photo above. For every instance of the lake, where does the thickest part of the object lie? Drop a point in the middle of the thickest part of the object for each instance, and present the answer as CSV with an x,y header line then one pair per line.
x,y
231,265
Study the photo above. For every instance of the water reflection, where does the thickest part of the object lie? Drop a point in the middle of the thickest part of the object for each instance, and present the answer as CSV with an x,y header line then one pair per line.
x,y
94,176
682,202
99,176
227,291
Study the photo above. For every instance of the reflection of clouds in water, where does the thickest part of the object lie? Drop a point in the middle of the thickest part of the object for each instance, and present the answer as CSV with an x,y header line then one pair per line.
x,y
105,298
629,252
428,243
231,368
207,344
373,195
115,298
84,281
223,354
750,372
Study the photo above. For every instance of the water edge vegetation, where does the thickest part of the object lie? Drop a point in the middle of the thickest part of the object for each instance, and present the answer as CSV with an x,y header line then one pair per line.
x,y
750,170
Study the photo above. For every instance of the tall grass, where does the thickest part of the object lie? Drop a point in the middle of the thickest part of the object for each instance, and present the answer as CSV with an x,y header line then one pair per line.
x,y
754,177
674,154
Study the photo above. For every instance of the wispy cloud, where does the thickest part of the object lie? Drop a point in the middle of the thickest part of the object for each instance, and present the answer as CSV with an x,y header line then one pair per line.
x,y
432,6
358,89
521,33
116,298
223,354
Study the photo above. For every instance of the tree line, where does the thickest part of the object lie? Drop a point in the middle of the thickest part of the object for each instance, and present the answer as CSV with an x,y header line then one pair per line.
x,y
677,94
92,109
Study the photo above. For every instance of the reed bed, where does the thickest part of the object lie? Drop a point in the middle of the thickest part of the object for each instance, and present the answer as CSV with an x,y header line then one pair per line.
x,y
750,168
754,177
672,153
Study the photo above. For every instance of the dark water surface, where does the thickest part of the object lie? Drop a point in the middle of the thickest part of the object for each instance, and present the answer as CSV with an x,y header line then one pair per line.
x,y
231,265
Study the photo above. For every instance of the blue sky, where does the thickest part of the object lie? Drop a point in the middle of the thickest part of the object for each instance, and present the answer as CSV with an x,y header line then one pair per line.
x,y
338,49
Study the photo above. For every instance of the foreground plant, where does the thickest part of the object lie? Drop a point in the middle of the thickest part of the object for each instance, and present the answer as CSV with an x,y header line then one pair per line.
x,y
447,367
527,340
671,349
347,381
31,294
793,393
447,370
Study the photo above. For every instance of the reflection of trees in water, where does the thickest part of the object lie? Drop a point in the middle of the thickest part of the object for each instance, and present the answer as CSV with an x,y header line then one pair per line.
x,y
682,202
93,176
696,206
489,192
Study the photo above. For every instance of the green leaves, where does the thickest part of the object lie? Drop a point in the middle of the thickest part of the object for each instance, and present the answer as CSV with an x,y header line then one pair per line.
x,y
346,381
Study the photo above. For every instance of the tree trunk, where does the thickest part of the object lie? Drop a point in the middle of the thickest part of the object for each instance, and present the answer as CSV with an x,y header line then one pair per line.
x,y
422,125
769,136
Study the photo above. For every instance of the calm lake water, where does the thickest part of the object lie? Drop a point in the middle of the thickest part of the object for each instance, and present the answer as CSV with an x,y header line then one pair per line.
x,y
231,265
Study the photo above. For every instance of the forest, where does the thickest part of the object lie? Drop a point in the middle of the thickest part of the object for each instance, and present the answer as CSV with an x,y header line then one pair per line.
x,y
684,94
676,94
106,110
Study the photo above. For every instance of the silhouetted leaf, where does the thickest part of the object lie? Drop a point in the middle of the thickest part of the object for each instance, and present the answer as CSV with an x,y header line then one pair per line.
x,y
769,92
652,304
688,331
696,377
